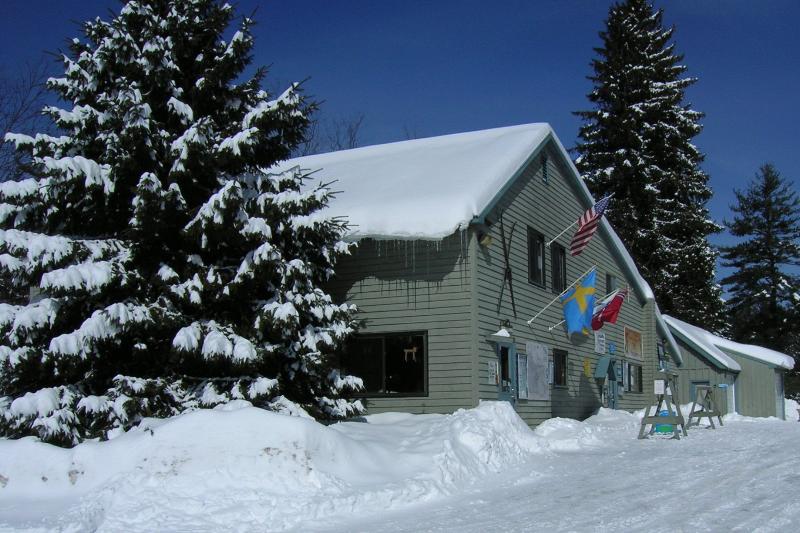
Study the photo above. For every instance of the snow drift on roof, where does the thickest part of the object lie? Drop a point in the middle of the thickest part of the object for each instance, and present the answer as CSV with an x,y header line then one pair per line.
x,y
721,345
422,188
759,353
703,341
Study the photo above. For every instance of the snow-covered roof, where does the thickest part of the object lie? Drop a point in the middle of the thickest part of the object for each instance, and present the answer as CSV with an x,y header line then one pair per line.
x,y
723,346
430,188
702,341
422,188
759,353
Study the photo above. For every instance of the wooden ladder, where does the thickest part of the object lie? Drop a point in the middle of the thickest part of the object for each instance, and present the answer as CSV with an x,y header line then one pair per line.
x,y
665,397
704,398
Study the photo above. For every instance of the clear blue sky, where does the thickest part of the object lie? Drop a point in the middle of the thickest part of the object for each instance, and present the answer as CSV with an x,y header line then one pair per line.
x,y
436,67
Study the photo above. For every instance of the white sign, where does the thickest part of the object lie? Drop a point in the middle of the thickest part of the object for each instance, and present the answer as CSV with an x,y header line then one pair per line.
x,y
658,386
599,342
522,376
538,356
494,373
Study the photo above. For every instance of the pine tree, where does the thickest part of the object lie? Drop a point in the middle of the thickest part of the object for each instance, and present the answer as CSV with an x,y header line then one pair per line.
x,y
154,264
763,293
636,143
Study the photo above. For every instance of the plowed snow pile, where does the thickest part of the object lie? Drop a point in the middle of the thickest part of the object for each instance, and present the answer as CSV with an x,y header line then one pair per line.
x,y
247,469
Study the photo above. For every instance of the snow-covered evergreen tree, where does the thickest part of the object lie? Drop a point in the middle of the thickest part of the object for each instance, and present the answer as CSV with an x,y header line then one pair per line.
x,y
155,265
764,294
636,143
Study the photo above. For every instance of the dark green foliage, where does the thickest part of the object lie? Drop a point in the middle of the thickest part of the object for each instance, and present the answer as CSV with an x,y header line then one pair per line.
x,y
153,265
764,293
636,143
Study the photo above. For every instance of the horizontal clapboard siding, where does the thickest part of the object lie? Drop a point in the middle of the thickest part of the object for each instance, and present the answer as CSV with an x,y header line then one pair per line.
x,y
755,388
417,286
697,368
549,208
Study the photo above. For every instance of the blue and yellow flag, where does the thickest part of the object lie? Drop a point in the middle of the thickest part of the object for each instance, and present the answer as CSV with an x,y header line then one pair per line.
x,y
578,305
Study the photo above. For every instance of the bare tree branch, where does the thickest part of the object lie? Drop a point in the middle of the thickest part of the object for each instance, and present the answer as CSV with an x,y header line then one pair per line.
x,y
21,101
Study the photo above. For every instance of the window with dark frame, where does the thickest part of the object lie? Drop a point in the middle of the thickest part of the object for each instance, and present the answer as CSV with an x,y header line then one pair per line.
x,y
558,262
545,172
535,257
634,378
612,283
560,368
389,364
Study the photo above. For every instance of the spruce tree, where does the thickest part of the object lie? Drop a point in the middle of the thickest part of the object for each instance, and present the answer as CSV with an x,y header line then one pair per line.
x,y
763,292
154,264
636,143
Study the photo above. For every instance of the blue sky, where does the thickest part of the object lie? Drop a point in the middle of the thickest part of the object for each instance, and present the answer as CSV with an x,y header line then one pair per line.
x,y
436,67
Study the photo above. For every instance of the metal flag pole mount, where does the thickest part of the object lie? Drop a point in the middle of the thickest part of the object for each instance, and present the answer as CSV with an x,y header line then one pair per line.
x,y
551,241
554,300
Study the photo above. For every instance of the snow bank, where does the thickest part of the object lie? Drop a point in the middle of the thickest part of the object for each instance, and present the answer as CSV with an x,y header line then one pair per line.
x,y
791,407
211,469
247,469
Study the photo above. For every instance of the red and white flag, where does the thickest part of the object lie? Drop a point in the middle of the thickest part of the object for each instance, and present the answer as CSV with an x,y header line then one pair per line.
x,y
608,309
587,226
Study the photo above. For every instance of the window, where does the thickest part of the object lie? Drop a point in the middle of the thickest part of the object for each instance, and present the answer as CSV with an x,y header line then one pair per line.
x,y
612,283
389,364
535,257
559,368
558,259
634,378
545,172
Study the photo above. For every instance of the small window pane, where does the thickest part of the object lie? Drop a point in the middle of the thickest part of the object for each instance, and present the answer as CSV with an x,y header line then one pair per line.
x,y
558,257
535,257
364,358
405,364
560,368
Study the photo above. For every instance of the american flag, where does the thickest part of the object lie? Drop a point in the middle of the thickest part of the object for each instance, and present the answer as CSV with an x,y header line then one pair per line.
x,y
587,226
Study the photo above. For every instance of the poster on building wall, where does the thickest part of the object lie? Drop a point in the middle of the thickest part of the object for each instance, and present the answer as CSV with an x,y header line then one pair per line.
x,y
538,357
587,367
493,373
599,342
633,343
522,376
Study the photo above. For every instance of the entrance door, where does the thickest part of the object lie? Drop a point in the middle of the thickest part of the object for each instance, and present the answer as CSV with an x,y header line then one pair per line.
x,y
693,389
507,366
612,382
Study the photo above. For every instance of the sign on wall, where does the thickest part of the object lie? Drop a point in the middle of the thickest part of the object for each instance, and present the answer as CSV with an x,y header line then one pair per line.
x,y
599,342
522,376
537,371
587,367
633,343
494,373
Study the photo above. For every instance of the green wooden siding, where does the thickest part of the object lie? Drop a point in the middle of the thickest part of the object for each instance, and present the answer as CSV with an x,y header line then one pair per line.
x,y
755,387
549,208
697,368
451,289
417,286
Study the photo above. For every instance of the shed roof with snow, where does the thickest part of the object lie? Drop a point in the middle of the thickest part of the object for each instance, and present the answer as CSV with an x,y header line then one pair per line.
x,y
717,349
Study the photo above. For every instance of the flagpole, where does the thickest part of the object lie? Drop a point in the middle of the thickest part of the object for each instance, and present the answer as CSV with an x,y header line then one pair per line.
x,y
562,233
560,295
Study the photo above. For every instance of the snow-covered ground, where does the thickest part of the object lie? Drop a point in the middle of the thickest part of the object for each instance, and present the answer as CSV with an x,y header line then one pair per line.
x,y
476,470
